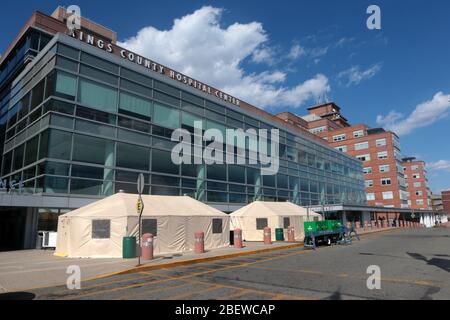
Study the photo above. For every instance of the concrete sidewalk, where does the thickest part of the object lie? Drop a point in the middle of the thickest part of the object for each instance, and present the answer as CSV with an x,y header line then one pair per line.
x,y
22,270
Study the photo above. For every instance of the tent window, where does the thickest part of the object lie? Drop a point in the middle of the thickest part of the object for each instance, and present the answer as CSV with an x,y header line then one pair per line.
x,y
101,229
217,225
286,222
261,223
150,226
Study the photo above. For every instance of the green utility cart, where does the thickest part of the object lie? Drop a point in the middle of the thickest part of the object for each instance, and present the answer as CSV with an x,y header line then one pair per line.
x,y
327,232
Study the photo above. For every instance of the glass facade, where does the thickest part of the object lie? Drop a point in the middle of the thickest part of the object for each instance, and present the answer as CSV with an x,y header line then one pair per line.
x,y
77,124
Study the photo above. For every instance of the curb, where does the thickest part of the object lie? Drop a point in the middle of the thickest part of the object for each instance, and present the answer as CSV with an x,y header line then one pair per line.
x,y
199,260
217,258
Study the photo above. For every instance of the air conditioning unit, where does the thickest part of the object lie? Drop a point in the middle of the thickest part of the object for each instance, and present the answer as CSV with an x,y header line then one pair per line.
x,y
49,239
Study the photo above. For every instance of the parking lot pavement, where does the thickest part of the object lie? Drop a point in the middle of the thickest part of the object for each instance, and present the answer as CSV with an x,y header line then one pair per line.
x,y
22,270
415,264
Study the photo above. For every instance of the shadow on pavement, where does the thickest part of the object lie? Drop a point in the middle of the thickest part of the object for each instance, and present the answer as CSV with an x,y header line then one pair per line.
x,y
444,264
17,296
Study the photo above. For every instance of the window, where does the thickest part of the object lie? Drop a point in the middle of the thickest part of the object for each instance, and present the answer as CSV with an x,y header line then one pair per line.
x,y
388,195
358,134
261,223
318,130
31,151
415,168
385,168
98,75
419,202
93,150
150,226
134,105
417,184
342,148
367,170
286,222
99,63
217,226
133,157
380,142
65,87
386,181
97,96
370,196
364,157
416,176
362,145
419,193
383,155
101,229
55,144
162,162
368,183
340,137
166,117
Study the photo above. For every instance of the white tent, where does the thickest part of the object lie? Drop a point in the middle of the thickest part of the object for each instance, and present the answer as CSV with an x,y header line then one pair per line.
x,y
97,230
254,217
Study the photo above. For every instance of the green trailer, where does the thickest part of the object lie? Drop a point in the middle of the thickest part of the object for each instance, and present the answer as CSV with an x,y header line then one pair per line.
x,y
327,232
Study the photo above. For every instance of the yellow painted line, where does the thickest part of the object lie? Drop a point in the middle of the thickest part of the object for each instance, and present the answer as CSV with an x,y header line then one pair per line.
x,y
236,295
116,289
201,260
153,291
258,291
406,281
186,295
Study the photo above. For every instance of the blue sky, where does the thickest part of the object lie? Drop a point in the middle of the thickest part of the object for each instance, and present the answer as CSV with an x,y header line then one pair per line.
x,y
297,52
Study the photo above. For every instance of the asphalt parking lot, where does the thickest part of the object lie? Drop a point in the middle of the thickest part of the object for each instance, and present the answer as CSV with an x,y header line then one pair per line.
x,y
414,264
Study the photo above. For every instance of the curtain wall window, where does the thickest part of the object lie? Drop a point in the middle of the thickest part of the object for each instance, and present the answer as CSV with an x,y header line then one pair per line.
x,y
97,96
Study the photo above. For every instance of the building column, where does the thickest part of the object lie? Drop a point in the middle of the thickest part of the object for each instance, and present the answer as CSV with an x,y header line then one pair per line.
x,y
31,226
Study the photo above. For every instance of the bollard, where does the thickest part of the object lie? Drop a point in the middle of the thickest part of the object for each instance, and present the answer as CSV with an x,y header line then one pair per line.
x,y
291,234
372,224
147,246
199,242
358,225
238,239
366,225
267,235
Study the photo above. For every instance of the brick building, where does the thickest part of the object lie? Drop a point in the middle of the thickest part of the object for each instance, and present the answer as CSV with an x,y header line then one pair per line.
x,y
419,194
378,149
446,201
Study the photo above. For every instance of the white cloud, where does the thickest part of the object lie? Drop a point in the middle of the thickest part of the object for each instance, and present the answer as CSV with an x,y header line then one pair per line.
x,y
439,165
355,75
296,52
199,46
264,55
344,42
423,115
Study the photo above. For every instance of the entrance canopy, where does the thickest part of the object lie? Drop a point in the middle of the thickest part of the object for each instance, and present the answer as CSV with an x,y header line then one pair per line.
x,y
97,230
253,218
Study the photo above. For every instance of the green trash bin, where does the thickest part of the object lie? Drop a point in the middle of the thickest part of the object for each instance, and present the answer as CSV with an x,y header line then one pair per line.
x,y
129,247
279,234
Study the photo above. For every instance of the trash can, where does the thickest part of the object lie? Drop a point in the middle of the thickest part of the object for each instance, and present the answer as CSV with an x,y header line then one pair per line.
x,y
279,234
39,239
129,247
